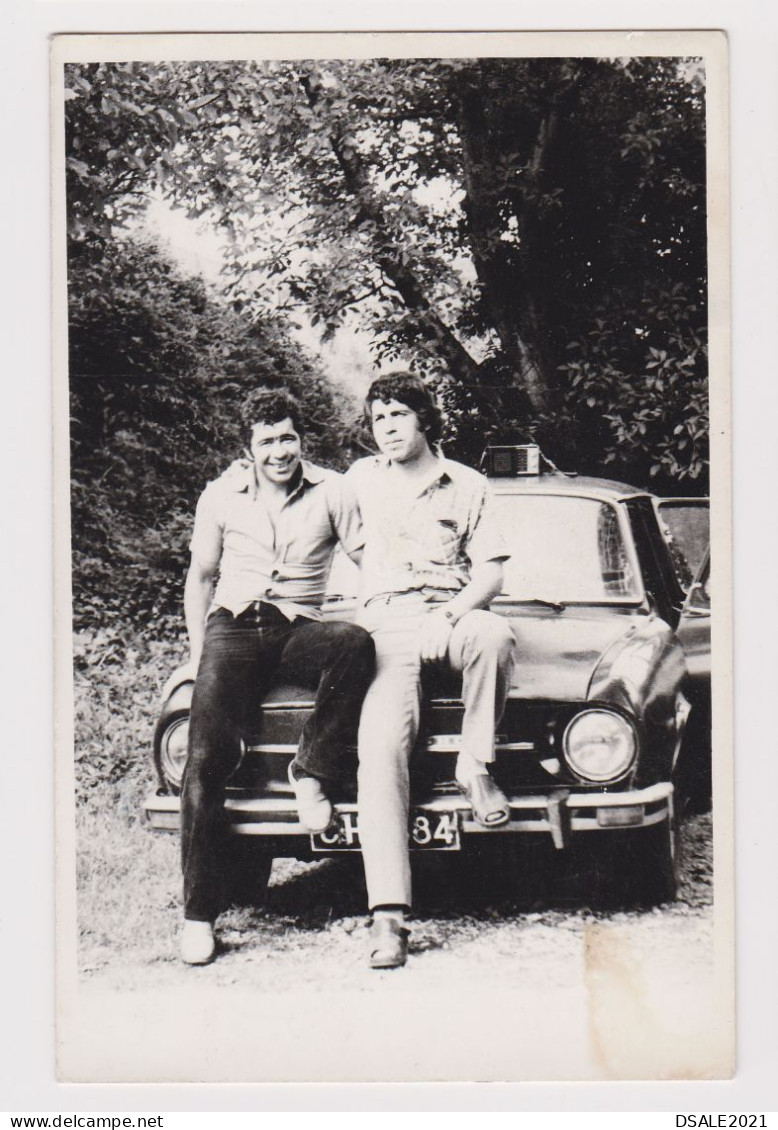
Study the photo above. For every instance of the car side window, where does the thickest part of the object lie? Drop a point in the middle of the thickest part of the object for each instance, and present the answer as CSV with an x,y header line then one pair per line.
x,y
699,592
685,526
614,564
659,573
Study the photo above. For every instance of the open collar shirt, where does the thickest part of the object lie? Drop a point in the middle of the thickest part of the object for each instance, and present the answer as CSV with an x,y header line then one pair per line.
x,y
428,541
281,557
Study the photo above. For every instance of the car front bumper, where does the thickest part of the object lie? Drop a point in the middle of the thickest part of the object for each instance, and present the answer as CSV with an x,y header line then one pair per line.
x,y
559,814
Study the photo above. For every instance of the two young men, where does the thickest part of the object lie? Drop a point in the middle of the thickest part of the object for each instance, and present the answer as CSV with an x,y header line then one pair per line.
x,y
431,560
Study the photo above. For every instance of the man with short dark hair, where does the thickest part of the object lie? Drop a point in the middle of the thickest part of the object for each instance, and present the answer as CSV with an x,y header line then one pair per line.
x,y
268,529
431,565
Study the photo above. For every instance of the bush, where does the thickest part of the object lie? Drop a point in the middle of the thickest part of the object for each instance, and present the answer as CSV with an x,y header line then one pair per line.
x,y
158,369
119,673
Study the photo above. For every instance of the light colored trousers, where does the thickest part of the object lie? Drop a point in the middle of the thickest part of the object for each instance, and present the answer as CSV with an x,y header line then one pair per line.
x,y
481,648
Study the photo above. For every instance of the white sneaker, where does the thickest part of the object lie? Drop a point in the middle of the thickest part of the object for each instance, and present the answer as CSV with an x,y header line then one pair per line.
x,y
313,808
198,945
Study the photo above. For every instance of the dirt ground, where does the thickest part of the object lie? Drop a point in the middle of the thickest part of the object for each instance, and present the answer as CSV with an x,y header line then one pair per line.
x,y
534,924
579,991
620,993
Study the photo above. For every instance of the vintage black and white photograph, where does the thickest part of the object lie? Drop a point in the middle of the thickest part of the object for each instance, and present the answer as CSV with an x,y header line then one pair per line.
x,y
387,749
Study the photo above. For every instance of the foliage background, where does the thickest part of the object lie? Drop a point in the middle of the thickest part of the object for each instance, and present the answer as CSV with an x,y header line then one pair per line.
x,y
528,233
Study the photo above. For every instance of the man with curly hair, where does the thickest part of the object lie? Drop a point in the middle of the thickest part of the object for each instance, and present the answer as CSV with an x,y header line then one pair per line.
x,y
431,565
265,533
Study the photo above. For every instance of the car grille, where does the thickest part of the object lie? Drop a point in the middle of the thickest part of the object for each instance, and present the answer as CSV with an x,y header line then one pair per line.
x,y
527,748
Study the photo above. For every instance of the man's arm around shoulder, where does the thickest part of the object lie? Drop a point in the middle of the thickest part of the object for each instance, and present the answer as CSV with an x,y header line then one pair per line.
x,y
345,514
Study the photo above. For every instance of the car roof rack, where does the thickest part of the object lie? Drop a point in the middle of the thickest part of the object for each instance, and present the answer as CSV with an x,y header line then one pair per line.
x,y
518,460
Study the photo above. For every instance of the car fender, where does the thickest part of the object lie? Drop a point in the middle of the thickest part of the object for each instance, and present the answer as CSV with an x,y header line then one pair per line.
x,y
179,683
177,704
642,674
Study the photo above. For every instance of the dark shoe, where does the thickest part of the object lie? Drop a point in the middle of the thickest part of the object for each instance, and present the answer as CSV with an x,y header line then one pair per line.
x,y
313,808
198,946
487,800
388,943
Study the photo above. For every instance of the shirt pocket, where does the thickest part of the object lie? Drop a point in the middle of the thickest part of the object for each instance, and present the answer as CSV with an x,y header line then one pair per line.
x,y
442,541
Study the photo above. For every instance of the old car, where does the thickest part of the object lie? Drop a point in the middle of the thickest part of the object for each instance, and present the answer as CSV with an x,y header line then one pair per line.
x,y
590,747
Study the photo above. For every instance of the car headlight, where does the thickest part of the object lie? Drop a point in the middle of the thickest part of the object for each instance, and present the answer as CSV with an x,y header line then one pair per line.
x,y
173,751
599,745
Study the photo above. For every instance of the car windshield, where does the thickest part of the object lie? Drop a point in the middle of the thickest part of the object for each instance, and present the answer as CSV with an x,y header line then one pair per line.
x,y
565,550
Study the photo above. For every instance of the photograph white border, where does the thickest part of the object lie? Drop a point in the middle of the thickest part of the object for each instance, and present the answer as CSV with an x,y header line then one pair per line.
x,y
753,42
294,1040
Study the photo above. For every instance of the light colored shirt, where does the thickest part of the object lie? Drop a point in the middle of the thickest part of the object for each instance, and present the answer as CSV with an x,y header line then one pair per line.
x,y
427,541
282,558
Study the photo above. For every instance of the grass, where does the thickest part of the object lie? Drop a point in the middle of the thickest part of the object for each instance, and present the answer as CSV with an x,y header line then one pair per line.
x,y
128,879
128,884
118,681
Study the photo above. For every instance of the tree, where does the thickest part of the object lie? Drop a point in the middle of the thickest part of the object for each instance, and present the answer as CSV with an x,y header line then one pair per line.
x,y
485,217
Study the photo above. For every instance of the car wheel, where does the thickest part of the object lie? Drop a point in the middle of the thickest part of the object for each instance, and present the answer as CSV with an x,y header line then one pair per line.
x,y
635,868
651,863
694,777
246,871
171,738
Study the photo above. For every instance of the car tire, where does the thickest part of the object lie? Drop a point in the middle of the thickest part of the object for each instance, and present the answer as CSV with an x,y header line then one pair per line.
x,y
694,776
168,776
651,863
633,868
246,871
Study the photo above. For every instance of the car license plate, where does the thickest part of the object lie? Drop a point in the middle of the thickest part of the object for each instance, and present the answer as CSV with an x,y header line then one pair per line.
x,y
430,831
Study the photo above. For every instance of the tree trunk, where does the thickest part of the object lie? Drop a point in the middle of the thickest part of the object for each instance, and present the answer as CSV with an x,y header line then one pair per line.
x,y
389,257
515,311
504,305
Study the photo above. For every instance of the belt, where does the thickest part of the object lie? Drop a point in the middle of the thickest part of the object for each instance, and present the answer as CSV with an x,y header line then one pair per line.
x,y
425,595
265,611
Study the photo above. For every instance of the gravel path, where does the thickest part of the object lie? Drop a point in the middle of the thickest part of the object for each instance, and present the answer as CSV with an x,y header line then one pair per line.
x,y
620,994
314,920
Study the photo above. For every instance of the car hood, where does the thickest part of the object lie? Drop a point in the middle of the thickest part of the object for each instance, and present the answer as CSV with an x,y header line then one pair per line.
x,y
557,655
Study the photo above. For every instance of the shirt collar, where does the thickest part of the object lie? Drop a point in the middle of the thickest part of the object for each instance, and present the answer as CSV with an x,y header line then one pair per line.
x,y
442,471
311,473
246,480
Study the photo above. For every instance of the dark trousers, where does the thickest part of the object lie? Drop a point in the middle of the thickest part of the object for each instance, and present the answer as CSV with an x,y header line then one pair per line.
x,y
241,656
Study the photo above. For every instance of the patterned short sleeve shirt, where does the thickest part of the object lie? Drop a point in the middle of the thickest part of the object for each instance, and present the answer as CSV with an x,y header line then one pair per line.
x,y
427,542
282,559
